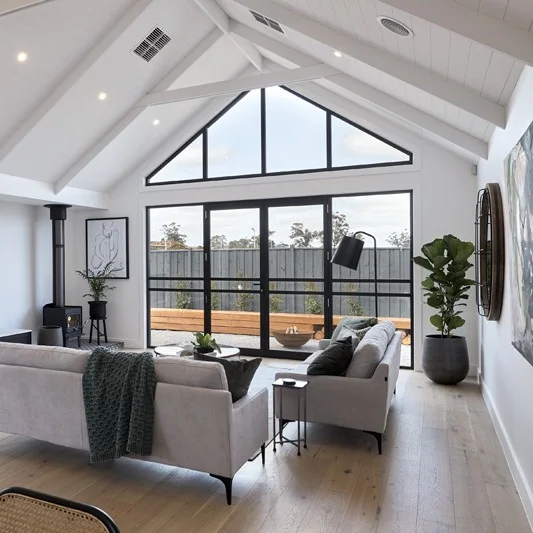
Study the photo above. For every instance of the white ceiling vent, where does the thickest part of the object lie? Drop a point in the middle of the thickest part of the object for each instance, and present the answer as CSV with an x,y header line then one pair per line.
x,y
154,42
266,21
395,26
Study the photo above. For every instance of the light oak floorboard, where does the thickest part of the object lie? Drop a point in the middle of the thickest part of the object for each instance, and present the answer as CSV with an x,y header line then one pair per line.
x,y
442,471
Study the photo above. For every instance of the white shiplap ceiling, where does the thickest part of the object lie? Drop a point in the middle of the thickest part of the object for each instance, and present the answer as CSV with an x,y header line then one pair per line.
x,y
444,82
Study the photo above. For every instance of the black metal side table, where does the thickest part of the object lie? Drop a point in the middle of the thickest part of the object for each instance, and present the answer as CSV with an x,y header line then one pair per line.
x,y
300,387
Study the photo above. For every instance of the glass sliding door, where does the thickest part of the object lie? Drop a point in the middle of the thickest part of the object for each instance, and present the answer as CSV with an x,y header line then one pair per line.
x,y
296,304
388,218
175,268
234,277
258,274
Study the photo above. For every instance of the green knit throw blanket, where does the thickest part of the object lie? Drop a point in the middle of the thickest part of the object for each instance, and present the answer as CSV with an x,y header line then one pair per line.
x,y
118,391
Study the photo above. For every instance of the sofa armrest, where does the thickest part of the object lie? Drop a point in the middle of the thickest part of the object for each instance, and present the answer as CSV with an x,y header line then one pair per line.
x,y
323,343
249,426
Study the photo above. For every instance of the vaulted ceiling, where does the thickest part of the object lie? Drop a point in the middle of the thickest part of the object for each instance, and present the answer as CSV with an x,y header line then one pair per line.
x,y
61,139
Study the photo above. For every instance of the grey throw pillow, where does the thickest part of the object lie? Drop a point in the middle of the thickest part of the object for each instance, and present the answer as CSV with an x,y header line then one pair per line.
x,y
370,351
353,323
239,373
334,360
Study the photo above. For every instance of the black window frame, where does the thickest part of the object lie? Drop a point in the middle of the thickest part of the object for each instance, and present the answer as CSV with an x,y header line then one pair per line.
x,y
202,132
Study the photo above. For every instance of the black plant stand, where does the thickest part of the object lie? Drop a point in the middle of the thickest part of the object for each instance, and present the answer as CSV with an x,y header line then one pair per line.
x,y
97,328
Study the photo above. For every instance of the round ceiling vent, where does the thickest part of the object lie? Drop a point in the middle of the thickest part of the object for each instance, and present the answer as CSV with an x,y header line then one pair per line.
x,y
395,26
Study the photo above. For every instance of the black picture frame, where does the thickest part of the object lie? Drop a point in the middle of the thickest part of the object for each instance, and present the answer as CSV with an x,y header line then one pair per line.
x,y
107,239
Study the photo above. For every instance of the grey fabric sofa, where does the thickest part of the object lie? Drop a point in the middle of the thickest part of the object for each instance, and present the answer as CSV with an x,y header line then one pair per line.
x,y
352,402
196,424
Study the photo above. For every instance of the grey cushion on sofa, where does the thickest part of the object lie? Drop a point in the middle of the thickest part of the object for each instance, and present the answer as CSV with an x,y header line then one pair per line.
x,y
354,323
370,351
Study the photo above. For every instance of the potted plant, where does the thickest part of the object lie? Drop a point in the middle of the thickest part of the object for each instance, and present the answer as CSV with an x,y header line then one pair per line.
x,y
205,343
445,356
98,287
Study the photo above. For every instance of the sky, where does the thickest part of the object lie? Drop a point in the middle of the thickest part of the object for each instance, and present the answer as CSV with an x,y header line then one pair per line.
x,y
295,139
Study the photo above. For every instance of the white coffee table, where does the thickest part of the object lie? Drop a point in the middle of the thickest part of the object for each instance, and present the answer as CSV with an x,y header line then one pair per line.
x,y
175,351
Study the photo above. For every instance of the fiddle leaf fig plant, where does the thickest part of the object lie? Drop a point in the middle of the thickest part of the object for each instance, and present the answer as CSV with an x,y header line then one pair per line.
x,y
205,343
446,287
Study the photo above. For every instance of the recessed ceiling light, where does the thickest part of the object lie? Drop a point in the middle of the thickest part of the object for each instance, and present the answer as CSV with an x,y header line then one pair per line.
x,y
102,96
337,53
22,57
156,122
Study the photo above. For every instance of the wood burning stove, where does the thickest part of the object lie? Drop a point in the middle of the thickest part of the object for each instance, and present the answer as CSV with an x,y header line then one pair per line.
x,y
69,317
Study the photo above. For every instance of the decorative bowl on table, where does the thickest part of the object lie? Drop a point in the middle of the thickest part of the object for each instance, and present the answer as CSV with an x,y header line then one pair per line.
x,y
292,340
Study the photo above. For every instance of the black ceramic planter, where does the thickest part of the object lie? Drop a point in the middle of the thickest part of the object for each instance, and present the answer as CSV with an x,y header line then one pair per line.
x,y
445,359
97,310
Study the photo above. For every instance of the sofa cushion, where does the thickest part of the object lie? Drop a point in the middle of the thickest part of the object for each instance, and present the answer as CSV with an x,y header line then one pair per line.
x,y
239,373
334,360
46,357
190,373
370,351
354,323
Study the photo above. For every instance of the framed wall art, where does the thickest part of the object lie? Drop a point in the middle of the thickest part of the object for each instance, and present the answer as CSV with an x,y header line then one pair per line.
x,y
107,242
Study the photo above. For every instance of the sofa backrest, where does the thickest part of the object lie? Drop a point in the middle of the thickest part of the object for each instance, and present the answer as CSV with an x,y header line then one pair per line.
x,y
190,373
370,350
44,357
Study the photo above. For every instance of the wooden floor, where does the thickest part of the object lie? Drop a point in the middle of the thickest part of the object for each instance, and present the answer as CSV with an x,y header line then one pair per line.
x,y
442,471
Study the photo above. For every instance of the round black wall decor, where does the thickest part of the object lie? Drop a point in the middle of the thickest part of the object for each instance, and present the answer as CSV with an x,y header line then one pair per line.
x,y
490,252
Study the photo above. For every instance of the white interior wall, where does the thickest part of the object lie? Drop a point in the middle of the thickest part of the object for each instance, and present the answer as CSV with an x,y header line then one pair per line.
x,y
25,265
507,376
444,202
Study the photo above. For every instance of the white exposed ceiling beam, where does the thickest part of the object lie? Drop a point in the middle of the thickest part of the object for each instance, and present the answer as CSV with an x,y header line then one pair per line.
x,y
474,25
34,191
12,6
415,75
13,139
371,94
198,51
238,85
219,17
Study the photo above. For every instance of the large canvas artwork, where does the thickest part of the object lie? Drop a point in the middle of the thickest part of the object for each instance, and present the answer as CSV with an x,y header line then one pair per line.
x,y
519,178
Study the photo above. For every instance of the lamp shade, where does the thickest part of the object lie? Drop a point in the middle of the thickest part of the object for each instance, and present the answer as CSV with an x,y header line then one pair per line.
x,y
348,252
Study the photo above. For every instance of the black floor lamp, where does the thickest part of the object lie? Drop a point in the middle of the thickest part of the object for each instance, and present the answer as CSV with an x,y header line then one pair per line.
x,y
349,252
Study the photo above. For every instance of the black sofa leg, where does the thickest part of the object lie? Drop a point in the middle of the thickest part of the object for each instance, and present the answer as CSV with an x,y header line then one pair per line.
x,y
228,482
263,454
379,438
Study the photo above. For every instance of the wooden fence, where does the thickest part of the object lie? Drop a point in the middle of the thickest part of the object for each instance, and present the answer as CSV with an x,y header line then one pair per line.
x,y
284,263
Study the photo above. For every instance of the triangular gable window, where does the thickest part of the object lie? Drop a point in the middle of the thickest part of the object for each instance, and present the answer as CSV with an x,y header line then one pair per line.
x,y
274,131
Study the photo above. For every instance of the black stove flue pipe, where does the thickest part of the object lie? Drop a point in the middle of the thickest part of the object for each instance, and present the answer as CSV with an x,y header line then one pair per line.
x,y
58,215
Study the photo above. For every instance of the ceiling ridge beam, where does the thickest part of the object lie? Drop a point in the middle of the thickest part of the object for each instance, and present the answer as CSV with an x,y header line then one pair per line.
x,y
238,85
112,133
13,139
377,97
415,75
493,33
219,17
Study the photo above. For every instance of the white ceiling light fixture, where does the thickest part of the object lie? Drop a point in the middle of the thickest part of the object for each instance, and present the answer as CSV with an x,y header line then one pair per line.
x,y
22,57
102,96
156,122
395,26
337,53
